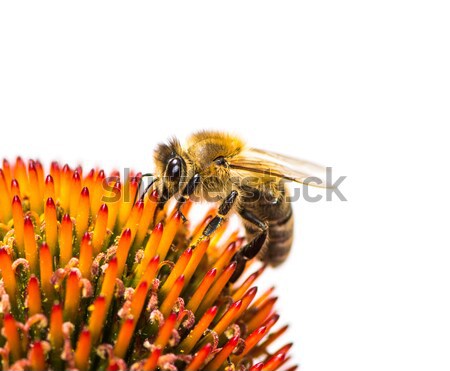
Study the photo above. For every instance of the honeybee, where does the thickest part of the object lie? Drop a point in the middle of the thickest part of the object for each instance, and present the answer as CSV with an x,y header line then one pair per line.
x,y
248,181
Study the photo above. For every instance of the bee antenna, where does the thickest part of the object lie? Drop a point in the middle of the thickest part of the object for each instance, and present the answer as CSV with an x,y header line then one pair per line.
x,y
146,188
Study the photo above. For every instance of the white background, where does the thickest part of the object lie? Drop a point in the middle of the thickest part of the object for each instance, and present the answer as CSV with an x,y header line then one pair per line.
x,y
360,86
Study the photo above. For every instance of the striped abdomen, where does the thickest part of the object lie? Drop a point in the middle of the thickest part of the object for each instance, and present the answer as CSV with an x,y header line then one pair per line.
x,y
277,215
281,233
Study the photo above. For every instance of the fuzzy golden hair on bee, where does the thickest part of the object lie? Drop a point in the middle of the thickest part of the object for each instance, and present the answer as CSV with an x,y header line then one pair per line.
x,y
206,146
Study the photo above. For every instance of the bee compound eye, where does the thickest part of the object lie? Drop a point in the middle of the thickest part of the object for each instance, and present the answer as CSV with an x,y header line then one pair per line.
x,y
174,169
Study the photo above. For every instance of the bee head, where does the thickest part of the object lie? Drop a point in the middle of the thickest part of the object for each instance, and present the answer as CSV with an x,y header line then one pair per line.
x,y
170,168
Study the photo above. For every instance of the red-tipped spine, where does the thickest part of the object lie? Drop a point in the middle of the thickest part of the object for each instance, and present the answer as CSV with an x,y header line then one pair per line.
x,y
5,201
152,360
197,256
196,333
262,314
83,350
171,298
15,188
274,362
65,240
166,331
37,357
139,300
75,190
222,356
56,323
124,337
49,188
86,254
226,256
199,358
18,219
31,249
247,283
253,339
72,297
170,230
55,173
40,175
217,288
7,171
82,218
177,271
109,281
229,316
147,218
129,193
101,224
122,251
8,275
65,185
247,299
97,318
201,291
12,335
257,367
88,181
34,296
51,225
114,206
260,349
46,270
150,250
20,173
97,191
35,191
135,217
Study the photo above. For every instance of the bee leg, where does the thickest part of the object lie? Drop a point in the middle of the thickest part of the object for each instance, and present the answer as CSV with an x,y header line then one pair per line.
x,y
187,191
224,209
240,266
252,248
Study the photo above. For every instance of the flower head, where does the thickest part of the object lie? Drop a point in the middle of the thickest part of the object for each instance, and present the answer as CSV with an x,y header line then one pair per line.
x,y
92,280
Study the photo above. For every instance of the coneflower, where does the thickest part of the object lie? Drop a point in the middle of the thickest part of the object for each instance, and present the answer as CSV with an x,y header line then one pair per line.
x,y
92,280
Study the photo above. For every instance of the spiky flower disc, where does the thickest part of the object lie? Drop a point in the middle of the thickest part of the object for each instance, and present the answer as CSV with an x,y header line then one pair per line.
x,y
92,280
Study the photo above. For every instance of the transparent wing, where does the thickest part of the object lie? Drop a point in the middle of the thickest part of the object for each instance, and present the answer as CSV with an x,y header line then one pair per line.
x,y
272,165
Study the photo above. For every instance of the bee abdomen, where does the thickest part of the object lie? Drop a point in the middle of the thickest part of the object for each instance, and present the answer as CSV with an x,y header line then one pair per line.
x,y
281,233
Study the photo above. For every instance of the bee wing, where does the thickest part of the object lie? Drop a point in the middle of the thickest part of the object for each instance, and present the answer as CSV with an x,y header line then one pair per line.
x,y
272,165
